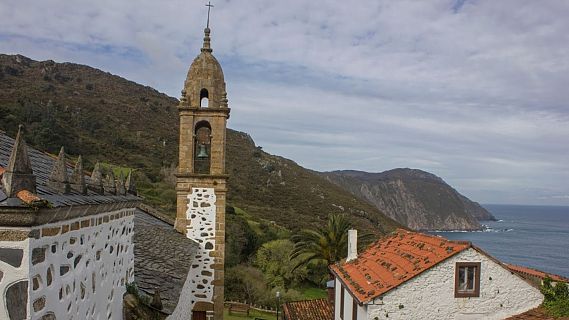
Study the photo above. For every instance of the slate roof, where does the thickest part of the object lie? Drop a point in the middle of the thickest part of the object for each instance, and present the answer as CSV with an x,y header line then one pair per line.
x,y
42,164
393,260
319,309
162,258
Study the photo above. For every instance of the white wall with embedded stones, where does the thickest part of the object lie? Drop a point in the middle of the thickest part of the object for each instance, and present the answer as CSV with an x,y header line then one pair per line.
x,y
431,295
198,286
78,268
13,272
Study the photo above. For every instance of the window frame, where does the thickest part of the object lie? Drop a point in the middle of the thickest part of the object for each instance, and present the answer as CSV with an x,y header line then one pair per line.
x,y
464,294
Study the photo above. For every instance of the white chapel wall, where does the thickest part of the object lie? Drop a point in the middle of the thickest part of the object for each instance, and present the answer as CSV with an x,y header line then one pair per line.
x,y
431,295
79,268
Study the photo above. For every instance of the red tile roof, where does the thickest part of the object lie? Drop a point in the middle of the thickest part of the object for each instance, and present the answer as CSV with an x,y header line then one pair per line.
x,y
536,314
319,309
393,260
524,271
27,196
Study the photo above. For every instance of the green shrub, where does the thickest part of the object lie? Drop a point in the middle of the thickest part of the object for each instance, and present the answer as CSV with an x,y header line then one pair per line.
x,y
556,300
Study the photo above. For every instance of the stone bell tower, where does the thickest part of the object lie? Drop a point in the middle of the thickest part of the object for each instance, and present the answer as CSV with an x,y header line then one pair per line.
x,y
201,183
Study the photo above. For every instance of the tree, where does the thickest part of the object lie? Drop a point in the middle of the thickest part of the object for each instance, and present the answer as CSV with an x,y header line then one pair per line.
x,y
273,259
328,244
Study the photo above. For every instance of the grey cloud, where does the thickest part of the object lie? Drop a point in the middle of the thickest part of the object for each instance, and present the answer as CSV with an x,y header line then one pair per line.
x,y
474,91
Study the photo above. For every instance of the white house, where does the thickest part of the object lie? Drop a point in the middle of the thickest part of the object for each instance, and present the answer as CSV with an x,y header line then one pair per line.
x,y
410,275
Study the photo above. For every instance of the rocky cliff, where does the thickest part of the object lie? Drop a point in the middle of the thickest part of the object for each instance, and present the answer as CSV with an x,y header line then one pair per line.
x,y
415,198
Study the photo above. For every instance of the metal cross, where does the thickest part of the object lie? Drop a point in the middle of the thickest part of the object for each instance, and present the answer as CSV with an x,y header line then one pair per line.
x,y
209,6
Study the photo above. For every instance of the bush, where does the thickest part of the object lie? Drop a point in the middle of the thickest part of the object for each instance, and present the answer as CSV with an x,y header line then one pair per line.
x,y
556,300
245,283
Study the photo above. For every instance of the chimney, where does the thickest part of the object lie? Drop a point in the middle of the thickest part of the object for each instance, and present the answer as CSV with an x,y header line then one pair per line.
x,y
352,245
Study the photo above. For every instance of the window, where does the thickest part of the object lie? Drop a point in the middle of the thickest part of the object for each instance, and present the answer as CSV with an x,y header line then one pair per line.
x,y
467,280
204,98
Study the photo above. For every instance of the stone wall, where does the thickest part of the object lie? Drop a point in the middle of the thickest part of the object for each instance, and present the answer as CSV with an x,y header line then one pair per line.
x,y
198,291
77,269
14,275
431,295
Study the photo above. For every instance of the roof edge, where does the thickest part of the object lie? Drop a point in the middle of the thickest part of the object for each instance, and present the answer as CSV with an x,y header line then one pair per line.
x,y
402,283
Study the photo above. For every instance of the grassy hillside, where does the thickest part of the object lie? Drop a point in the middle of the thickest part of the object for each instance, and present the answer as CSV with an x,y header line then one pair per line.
x,y
110,119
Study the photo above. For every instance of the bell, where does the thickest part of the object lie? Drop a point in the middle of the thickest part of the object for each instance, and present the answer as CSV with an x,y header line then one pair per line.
x,y
202,152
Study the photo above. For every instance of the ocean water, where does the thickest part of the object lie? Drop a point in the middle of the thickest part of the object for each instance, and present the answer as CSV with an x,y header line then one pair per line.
x,y
531,236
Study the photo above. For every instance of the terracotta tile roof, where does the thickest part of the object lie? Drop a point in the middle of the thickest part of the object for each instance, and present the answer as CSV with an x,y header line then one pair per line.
x,y
525,271
319,309
27,196
393,260
535,314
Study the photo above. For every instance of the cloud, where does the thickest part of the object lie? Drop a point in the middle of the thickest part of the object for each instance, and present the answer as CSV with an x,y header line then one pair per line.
x,y
474,91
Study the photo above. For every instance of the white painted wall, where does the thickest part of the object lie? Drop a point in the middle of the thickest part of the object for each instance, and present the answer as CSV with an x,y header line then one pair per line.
x,y
348,304
94,287
12,274
431,295
198,286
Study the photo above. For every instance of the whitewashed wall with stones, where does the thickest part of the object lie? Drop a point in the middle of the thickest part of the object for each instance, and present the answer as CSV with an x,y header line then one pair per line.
x,y
14,274
198,286
79,268
431,295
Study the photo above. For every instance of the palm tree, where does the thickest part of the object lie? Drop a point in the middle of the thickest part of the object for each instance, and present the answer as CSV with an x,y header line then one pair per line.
x,y
328,244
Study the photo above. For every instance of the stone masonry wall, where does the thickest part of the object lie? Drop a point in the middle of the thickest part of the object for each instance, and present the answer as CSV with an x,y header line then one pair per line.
x,y
431,295
14,273
199,287
79,268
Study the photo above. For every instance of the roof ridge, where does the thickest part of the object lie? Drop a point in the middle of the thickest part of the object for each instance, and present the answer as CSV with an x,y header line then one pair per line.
x,y
393,260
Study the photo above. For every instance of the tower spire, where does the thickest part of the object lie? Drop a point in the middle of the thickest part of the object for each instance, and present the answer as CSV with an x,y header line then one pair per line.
x,y
207,40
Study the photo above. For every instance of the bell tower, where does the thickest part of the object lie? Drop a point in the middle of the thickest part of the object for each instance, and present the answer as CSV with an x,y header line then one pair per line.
x,y
201,183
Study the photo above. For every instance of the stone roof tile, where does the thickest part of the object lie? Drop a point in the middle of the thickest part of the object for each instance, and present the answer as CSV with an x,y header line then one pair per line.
x,y
42,165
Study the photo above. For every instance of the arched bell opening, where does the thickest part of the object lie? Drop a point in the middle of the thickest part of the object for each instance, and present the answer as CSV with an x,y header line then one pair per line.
x,y
202,147
204,98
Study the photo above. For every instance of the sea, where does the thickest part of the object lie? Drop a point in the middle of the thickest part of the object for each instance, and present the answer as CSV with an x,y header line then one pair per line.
x,y
530,236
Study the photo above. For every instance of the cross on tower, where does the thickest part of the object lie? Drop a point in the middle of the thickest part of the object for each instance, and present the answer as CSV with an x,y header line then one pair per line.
x,y
209,6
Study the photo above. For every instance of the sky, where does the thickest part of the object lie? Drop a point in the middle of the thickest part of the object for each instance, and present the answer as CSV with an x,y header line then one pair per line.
x,y
474,91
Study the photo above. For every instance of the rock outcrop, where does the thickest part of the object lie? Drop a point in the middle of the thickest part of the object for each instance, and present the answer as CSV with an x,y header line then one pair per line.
x,y
415,198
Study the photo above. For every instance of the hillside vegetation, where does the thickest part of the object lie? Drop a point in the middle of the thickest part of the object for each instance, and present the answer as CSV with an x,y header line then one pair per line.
x,y
110,119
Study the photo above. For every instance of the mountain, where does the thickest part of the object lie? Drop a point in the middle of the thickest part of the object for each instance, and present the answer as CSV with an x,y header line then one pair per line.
x,y
415,198
107,118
